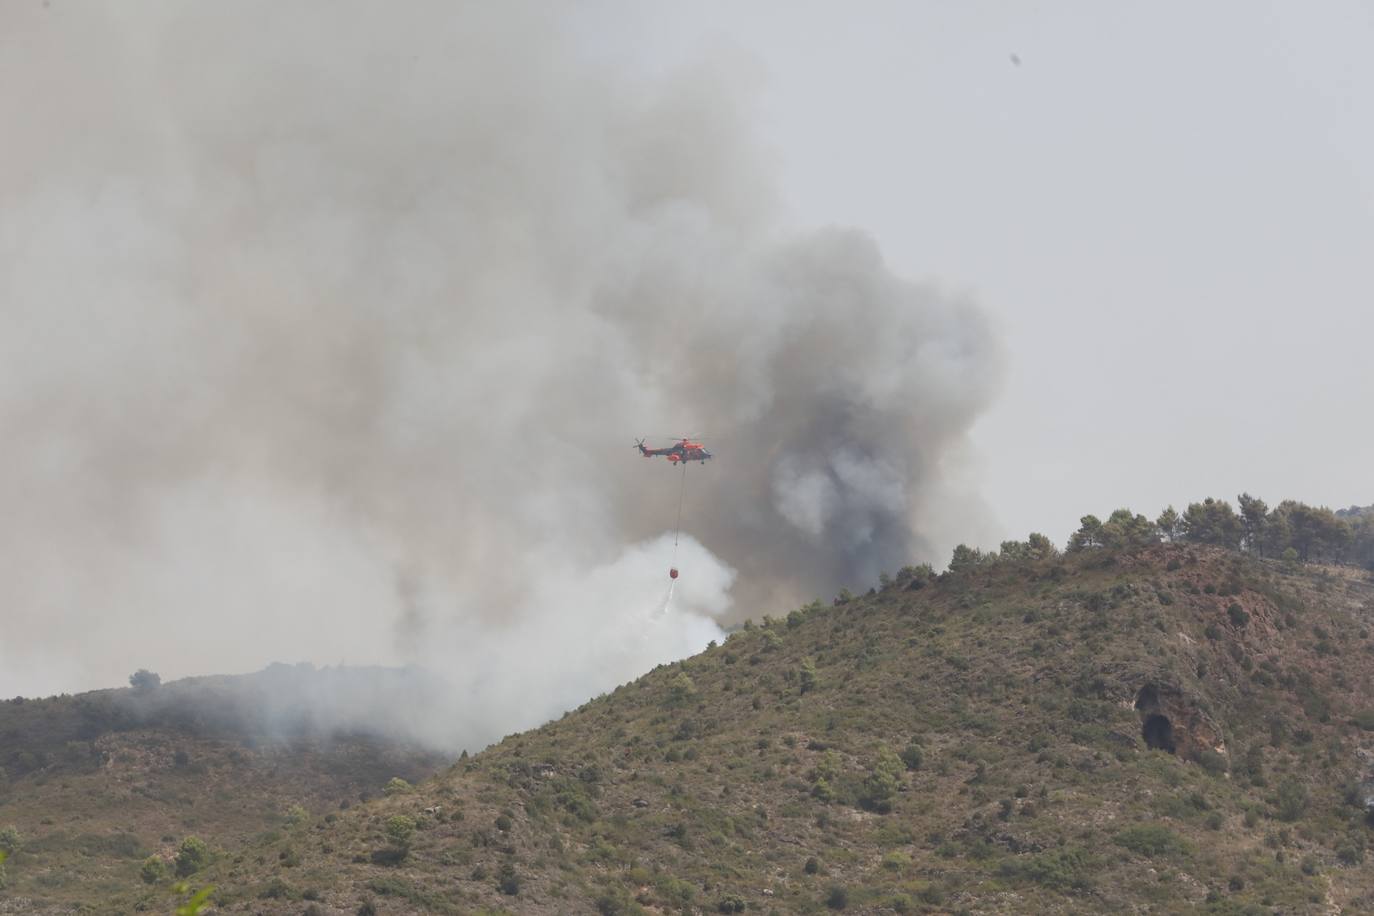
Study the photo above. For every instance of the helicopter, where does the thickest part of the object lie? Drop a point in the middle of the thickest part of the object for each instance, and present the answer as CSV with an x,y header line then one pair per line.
x,y
680,452
685,449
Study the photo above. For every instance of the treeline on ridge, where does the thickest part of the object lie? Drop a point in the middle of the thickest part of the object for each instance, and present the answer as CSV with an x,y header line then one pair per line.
x,y
1291,531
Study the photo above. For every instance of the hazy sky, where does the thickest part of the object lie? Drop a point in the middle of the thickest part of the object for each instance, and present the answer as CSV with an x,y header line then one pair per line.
x,y
327,325
1169,208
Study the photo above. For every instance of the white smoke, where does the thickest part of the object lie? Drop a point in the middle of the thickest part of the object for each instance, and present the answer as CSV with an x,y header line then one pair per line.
x,y
329,327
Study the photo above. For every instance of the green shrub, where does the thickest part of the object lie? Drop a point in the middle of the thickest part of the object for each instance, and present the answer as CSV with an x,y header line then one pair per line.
x,y
574,796
296,815
882,782
1291,801
276,889
10,841
1060,869
837,898
892,834
153,870
1350,851
617,902
896,861
399,830
681,689
389,856
192,856
1212,762
196,900
397,786
1151,840
1239,617
675,891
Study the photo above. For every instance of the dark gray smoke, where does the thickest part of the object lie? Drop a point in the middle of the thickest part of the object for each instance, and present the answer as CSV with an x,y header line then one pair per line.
x,y
329,327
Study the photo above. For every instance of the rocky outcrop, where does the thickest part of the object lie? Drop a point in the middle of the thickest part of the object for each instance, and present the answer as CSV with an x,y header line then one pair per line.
x,y
1169,721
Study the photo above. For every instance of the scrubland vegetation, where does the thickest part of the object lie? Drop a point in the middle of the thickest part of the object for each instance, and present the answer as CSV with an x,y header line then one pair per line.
x,y
1131,724
1088,732
108,791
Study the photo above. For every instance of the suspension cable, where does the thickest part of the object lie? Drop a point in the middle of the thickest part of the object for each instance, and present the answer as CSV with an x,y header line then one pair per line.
x,y
682,489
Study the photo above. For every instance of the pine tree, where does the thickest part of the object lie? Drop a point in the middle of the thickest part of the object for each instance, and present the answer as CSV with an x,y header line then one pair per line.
x,y
1254,515
1169,524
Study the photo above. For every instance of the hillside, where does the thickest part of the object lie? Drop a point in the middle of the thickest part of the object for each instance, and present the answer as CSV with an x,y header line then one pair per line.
x,y
974,742
94,784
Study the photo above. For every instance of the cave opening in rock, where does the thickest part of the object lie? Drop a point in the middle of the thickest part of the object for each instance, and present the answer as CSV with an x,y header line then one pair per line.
x,y
1158,733
1147,700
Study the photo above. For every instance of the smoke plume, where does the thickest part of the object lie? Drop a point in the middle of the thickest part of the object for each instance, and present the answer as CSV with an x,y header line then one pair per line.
x,y
328,328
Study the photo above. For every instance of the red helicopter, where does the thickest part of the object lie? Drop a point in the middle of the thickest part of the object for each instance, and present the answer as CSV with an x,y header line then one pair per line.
x,y
684,450
680,452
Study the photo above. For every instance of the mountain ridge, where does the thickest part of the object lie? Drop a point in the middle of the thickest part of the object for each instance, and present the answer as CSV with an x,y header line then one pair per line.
x,y
978,741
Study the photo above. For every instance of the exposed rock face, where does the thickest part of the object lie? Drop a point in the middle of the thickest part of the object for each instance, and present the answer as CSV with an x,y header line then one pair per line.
x,y
1366,788
1169,721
